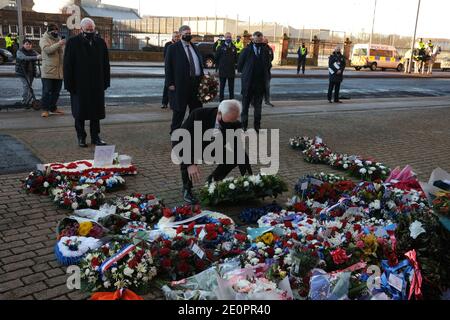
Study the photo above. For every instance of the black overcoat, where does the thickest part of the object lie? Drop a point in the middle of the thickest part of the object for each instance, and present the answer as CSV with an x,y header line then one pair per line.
x,y
226,58
246,64
87,76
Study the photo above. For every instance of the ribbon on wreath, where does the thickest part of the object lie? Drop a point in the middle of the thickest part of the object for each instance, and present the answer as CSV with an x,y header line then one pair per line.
x,y
416,284
393,281
115,258
120,294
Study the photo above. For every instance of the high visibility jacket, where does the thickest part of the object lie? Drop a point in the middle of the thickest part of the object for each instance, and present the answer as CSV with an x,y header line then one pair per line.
x,y
9,41
430,45
239,46
421,45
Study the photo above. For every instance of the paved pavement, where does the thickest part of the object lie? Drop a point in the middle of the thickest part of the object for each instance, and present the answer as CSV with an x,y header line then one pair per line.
x,y
395,131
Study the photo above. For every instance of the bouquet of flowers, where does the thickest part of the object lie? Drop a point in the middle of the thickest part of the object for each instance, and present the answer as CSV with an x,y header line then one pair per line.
x,y
242,188
134,227
70,250
118,265
39,182
73,226
181,213
208,88
79,197
317,153
139,207
109,180
301,143
441,204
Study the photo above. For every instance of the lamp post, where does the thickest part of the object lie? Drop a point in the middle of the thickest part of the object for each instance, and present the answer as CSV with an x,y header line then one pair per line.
x,y
414,37
20,21
373,23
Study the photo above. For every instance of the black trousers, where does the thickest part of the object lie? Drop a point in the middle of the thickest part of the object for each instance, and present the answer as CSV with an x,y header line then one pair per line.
x,y
94,129
254,97
165,99
301,65
51,89
223,82
336,86
218,174
192,101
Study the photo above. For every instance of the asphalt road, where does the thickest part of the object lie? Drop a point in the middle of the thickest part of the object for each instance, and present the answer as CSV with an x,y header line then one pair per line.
x,y
140,91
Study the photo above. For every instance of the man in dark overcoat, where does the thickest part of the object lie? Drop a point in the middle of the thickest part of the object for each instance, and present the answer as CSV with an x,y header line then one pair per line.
x,y
184,70
86,77
254,64
175,39
226,58
336,67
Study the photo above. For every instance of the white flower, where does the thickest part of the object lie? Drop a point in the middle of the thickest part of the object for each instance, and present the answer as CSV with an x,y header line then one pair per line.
x,y
106,284
46,184
246,184
278,251
345,166
232,186
88,203
128,272
74,206
362,171
376,205
416,229
254,261
212,188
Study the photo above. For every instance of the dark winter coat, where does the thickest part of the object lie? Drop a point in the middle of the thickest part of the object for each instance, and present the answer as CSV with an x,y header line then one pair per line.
x,y
226,58
336,62
177,70
26,63
252,78
87,76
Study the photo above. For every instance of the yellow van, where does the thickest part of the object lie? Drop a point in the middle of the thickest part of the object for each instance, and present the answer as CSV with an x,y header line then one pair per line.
x,y
378,56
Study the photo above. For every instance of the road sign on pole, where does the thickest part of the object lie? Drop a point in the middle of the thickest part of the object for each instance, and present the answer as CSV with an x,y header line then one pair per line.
x,y
414,37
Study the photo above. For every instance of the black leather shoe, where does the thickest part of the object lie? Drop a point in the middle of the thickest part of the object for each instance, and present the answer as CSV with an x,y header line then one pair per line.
x,y
338,101
189,197
82,143
99,142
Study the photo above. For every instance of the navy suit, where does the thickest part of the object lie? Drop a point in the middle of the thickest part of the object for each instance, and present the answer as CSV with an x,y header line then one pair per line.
x,y
177,68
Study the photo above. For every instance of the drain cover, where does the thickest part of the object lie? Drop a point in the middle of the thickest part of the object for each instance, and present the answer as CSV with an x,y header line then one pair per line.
x,y
15,157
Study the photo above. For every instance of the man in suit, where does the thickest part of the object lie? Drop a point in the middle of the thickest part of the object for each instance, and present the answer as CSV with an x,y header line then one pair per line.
x,y
336,67
184,69
226,57
254,64
302,54
271,56
86,77
175,39
223,118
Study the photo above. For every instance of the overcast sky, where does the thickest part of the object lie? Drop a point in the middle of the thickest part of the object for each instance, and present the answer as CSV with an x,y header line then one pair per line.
x,y
393,16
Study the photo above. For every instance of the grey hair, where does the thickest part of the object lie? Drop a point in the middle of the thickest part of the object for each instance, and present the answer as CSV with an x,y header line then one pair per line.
x,y
338,48
86,21
184,28
227,106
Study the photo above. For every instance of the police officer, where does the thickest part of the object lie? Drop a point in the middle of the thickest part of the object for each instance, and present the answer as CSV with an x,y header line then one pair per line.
x,y
226,58
302,53
219,42
239,44
9,43
336,66
430,45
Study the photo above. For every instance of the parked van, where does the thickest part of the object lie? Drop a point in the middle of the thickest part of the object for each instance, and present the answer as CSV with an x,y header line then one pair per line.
x,y
378,56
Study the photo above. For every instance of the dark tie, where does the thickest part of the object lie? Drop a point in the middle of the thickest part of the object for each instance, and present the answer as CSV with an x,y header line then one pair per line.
x,y
191,61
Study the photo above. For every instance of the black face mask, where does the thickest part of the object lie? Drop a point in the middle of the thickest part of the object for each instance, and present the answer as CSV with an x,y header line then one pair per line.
x,y
89,35
187,37
259,45
54,34
228,125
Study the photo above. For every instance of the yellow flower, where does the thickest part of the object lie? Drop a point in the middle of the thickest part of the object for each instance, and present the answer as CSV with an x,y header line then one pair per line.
x,y
267,238
370,244
85,228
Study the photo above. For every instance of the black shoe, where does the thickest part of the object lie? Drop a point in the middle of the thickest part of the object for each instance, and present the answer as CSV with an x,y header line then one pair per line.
x,y
269,104
338,101
189,197
82,143
98,142
164,106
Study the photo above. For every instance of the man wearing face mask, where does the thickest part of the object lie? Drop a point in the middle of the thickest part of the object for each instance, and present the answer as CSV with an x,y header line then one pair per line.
x,y
175,39
86,77
183,71
225,117
52,48
336,67
254,64
226,57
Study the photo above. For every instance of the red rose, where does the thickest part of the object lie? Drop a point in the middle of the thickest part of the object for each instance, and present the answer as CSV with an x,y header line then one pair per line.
x,y
309,237
164,251
211,235
288,224
151,197
339,256
95,262
93,203
132,264
357,227
184,254
67,202
310,221
240,237
180,229
167,243
133,216
270,251
200,265
190,227
167,212
273,223
220,230
183,267
300,207
225,222
294,235
210,227
166,263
